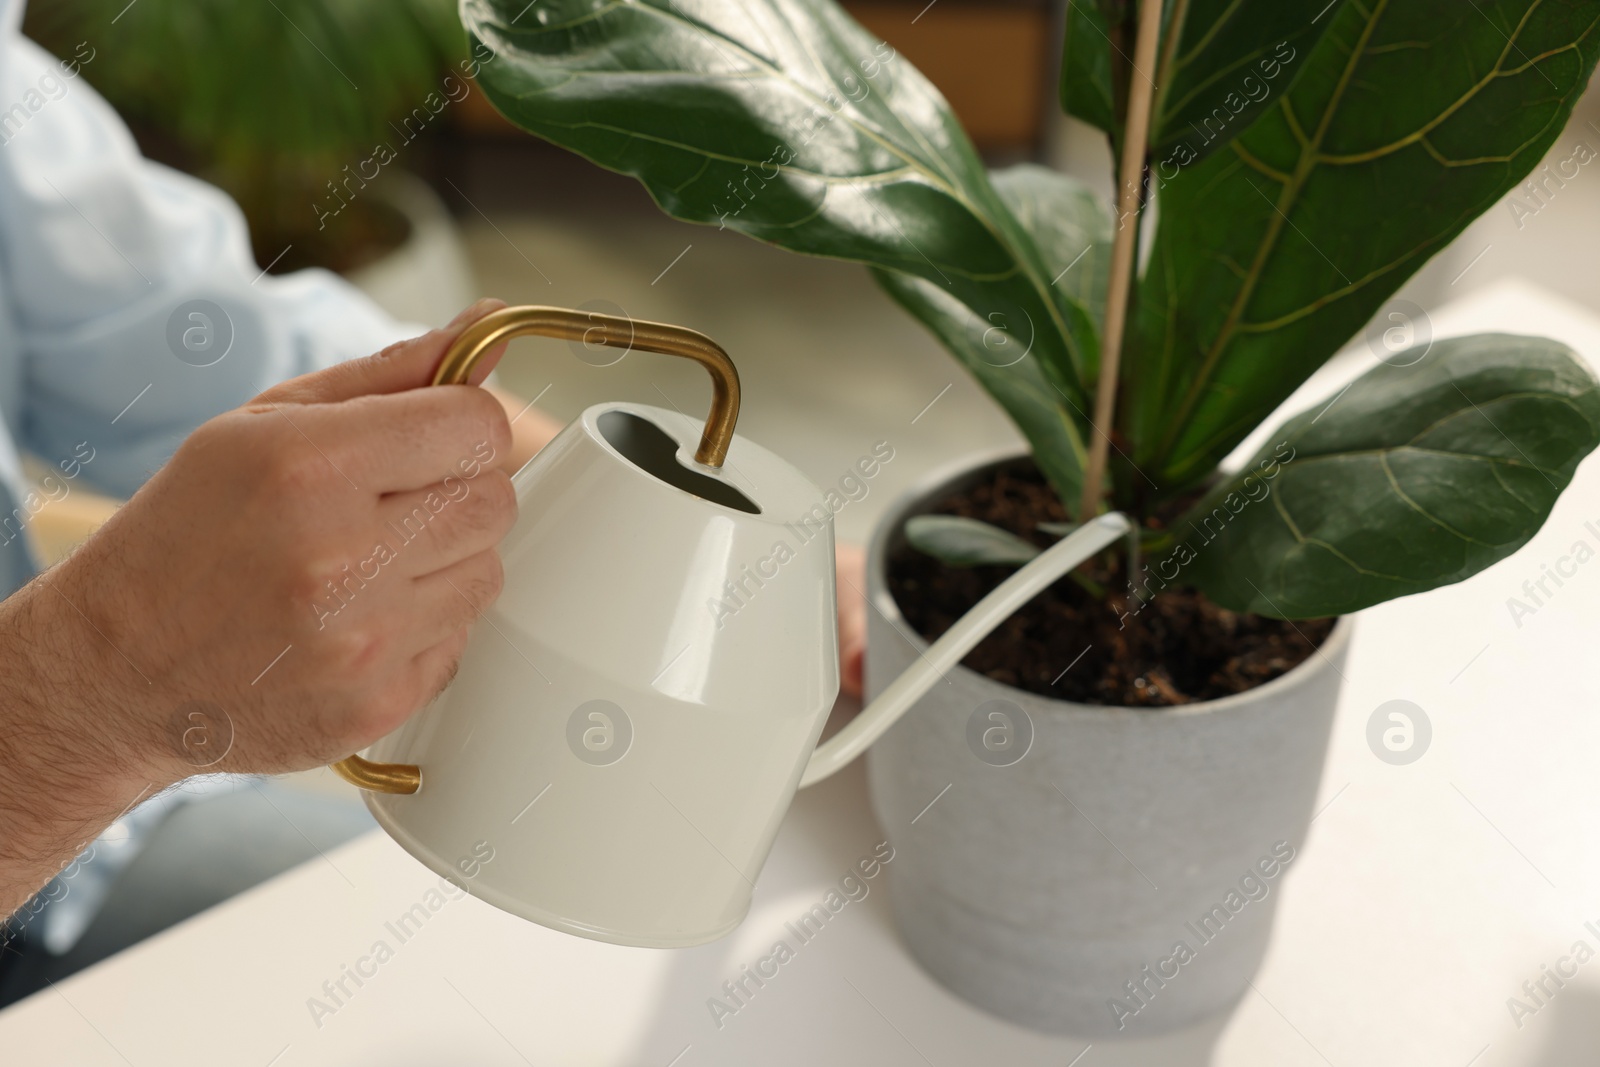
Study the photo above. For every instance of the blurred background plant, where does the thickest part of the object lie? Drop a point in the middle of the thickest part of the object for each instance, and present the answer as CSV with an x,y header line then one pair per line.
x,y
269,101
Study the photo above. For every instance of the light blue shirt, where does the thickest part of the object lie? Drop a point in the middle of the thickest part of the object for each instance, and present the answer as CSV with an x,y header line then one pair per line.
x,y
106,260
99,250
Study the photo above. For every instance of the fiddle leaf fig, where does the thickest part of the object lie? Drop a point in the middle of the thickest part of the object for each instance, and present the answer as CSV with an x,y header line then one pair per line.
x,y
1415,477
1405,122
1305,158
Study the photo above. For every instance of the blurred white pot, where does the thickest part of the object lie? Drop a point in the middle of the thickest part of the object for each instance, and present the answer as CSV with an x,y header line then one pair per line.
x,y
428,279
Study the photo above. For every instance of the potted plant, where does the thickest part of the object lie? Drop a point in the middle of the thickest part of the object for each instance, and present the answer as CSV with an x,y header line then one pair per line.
x,y
305,112
1091,817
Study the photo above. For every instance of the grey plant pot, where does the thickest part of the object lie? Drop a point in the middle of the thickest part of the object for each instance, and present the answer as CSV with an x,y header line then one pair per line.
x,y
1054,889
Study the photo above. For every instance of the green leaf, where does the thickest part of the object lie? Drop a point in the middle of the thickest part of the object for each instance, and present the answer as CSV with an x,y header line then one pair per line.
x,y
1022,389
1067,224
1416,477
962,542
1093,51
1233,57
1228,60
784,120
1073,237
1409,119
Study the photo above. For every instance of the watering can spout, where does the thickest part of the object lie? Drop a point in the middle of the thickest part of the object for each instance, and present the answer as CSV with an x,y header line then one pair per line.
x,y
945,653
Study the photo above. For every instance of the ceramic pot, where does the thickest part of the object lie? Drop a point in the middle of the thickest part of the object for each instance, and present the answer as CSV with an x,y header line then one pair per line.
x,y
1089,870
428,278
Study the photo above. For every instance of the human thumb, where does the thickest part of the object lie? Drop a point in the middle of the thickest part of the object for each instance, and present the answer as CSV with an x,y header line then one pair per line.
x,y
408,364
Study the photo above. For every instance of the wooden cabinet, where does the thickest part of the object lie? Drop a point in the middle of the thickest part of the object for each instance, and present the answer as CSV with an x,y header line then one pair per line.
x,y
994,61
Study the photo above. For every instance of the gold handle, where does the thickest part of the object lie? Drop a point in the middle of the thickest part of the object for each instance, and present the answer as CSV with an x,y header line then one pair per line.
x,y
614,332
380,777
590,327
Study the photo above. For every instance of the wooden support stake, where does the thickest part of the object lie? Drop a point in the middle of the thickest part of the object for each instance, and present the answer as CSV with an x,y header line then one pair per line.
x,y
1124,247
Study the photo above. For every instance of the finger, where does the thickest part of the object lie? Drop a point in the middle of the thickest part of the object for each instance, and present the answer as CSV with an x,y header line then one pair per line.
x,y
436,667
405,441
850,566
434,528
531,429
408,364
455,596
413,684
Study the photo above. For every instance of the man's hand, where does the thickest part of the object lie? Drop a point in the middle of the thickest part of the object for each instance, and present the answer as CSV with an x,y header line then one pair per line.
x,y
294,584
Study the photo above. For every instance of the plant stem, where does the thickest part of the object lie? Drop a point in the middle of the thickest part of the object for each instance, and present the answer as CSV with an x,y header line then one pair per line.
x,y
1172,36
1123,248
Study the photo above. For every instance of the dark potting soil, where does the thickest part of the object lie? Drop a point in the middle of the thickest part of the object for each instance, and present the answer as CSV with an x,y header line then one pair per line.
x,y
1068,644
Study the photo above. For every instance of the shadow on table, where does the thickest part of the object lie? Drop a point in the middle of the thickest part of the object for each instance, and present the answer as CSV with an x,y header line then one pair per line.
x,y
823,1016
1570,1028
847,996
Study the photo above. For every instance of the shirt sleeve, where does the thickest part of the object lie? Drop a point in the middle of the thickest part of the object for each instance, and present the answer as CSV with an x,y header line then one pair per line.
x,y
136,304
131,310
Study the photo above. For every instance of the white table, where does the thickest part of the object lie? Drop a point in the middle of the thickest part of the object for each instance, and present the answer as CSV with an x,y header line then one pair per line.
x,y
1426,895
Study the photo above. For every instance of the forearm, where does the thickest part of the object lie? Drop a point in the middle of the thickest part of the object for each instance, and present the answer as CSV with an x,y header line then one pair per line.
x,y
71,757
241,574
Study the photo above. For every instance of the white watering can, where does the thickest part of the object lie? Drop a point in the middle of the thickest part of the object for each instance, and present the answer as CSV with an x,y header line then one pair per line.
x,y
634,714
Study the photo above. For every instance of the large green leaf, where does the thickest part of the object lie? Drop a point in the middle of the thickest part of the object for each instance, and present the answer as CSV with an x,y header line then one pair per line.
x,y
1021,388
1416,477
1094,62
1068,225
1232,58
1228,60
785,120
1408,119
1073,237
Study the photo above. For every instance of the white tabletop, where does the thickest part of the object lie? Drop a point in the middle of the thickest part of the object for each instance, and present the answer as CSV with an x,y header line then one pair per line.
x,y
1425,897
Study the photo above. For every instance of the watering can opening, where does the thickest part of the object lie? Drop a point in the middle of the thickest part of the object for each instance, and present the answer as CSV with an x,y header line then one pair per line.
x,y
654,451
